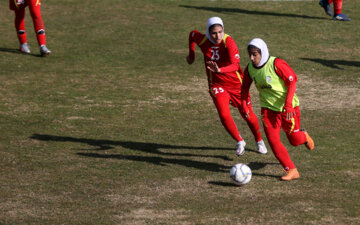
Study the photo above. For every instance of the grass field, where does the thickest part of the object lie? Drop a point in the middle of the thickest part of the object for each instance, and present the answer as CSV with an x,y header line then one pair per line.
x,y
115,128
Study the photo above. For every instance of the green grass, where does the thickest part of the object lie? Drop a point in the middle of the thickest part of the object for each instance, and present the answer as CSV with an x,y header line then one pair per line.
x,y
115,128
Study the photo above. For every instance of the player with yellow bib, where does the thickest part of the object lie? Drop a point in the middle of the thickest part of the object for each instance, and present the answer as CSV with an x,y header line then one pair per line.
x,y
276,84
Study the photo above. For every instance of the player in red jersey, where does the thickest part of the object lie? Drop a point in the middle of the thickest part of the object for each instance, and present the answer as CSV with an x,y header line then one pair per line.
x,y
34,7
276,83
221,58
337,9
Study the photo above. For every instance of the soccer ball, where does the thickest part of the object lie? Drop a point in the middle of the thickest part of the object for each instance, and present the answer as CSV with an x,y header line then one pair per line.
x,y
240,174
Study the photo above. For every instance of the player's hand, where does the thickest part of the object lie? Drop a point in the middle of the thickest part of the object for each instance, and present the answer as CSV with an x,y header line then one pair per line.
x,y
189,60
213,67
289,112
245,110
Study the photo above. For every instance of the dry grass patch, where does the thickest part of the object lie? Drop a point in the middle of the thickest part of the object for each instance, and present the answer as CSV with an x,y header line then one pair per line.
x,y
319,94
151,216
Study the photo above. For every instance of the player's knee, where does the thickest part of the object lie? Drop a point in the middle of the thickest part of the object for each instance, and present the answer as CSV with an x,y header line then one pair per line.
x,y
292,142
293,139
41,31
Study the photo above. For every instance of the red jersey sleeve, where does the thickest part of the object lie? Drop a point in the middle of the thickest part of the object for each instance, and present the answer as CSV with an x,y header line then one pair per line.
x,y
195,37
289,77
245,87
234,56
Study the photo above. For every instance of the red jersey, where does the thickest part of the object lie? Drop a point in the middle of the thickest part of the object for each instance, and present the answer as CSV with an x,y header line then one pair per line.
x,y
226,55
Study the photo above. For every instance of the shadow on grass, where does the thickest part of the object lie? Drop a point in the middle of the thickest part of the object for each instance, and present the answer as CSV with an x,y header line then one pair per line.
x,y
102,145
207,166
17,51
249,12
138,146
334,63
224,184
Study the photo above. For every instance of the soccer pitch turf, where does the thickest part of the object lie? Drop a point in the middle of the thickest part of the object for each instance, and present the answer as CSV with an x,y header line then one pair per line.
x,y
116,128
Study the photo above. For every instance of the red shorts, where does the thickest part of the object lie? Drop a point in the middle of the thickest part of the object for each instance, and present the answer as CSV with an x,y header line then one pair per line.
x,y
276,120
233,94
16,4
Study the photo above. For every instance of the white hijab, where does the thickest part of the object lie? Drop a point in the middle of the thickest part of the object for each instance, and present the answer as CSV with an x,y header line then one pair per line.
x,y
210,22
259,43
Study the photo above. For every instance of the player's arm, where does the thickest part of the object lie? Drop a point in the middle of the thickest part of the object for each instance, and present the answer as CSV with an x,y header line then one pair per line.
x,y
245,92
194,38
286,73
234,57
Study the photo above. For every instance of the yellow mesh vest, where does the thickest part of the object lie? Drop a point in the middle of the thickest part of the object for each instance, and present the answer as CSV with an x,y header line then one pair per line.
x,y
271,87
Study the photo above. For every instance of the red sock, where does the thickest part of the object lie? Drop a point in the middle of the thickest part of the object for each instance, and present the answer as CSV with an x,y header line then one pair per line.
x,y
38,23
41,38
337,6
20,25
21,34
330,1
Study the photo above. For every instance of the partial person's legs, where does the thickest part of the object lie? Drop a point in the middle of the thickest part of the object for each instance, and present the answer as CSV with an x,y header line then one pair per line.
x,y
295,135
272,127
222,101
253,123
39,27
20,28
337,11
326,5
222,105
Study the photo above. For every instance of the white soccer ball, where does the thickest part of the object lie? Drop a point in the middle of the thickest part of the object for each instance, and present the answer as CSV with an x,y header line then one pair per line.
x,y
240,174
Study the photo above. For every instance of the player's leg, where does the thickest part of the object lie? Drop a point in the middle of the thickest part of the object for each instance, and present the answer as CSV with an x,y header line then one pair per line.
x,y
295,135
250,118
221,100
39,27
222,105
253,123
292,129
20,27
272,127
337,11
326,5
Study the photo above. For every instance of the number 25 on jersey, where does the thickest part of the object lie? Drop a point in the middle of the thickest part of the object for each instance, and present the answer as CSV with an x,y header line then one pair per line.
x,y
218,90
215,54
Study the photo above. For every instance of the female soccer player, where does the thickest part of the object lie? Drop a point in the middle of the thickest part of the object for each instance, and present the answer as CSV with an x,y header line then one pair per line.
x,y
276,83
221,57
34,6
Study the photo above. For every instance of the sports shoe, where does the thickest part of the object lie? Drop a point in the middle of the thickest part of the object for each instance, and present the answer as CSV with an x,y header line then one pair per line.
x,y
309,142
291,175
24,48
325,4
261,147
240,148
341,17
44,51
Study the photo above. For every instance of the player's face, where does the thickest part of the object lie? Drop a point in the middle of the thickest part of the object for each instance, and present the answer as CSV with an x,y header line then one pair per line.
x,y
217,33
254,56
